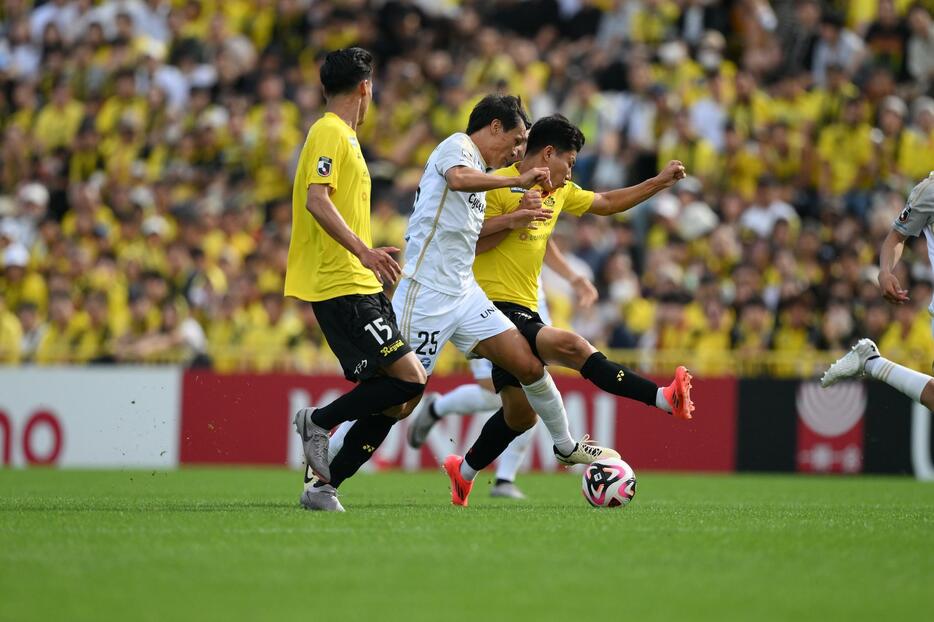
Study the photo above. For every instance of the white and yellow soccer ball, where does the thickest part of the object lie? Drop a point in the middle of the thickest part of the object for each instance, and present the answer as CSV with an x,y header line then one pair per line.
x,y
609,483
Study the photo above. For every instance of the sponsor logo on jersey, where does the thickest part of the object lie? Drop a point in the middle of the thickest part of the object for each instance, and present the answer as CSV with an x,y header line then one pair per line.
x,y
324,166
903,217
359,368
487,313
387,350
426,362
476,203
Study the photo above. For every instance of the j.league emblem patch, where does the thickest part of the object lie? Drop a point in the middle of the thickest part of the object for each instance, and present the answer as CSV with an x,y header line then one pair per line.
x,y
324,166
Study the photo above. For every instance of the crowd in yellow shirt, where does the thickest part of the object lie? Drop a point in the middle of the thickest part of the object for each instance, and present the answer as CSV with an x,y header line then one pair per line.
x,y
149,150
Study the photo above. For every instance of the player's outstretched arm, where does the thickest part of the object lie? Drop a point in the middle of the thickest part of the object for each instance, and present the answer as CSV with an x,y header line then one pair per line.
x,y
889,255
466,179
323,210
555,259
616,201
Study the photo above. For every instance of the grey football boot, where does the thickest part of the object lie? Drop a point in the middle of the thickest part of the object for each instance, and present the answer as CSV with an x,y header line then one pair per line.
x,y
315,441
321,499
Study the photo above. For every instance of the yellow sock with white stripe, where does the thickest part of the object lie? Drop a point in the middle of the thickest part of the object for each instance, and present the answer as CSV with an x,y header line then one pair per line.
x,y
908,381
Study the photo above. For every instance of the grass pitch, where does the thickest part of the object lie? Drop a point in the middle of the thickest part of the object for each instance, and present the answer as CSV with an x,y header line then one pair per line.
x,y
233,545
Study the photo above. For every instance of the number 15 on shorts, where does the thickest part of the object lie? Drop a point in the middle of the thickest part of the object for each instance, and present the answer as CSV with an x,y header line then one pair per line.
x,y
378,328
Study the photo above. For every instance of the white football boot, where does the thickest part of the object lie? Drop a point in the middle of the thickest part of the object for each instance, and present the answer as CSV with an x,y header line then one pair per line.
x,y
585,452
852,364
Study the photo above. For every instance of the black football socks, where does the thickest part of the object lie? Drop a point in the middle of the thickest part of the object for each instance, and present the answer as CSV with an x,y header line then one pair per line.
x,y
373,395
363,438
493,440
618,380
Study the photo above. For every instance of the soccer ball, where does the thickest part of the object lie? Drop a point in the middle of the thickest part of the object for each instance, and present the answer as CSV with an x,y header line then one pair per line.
x,y
609,483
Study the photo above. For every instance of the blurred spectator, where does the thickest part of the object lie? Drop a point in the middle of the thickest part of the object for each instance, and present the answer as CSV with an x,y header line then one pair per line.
x,y
148,149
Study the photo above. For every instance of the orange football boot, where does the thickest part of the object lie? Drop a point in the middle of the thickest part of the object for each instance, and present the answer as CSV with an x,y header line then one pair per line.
x,y
678,394
460,487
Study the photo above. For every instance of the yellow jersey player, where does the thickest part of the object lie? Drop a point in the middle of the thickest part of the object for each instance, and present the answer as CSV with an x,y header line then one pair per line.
x,y
509,261
332,266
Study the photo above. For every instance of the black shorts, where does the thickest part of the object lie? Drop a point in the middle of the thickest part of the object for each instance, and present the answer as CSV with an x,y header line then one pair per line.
x,y
361,330
529,324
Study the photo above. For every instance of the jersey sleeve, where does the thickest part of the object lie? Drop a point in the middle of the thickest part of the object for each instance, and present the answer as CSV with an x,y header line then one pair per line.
x,y
455,151
578,201
919,210
324,153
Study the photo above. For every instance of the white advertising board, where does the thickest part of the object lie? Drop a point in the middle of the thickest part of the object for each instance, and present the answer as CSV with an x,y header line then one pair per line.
x,y
90,417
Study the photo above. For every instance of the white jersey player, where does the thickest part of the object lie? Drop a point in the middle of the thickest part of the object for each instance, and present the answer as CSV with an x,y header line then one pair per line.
x,y
481,397
864,359
439,300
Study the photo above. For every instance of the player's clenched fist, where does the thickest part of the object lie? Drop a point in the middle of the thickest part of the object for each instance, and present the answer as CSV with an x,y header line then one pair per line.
x,y
892,289
540,175
672,172
381,263
530,211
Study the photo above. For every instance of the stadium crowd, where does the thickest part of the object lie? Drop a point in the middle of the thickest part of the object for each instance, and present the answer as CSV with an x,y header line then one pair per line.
x,y
148,148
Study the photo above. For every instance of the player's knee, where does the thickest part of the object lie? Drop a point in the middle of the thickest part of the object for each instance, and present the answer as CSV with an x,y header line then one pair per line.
x,y
401,411
530,370
574,349
402,391
409,369
415,374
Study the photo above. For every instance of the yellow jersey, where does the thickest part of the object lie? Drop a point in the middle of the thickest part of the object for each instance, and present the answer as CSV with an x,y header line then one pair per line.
x,y
509,272
319,268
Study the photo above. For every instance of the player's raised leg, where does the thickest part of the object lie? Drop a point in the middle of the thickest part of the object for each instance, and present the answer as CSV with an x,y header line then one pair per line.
x,y
564,348
864,359
511,352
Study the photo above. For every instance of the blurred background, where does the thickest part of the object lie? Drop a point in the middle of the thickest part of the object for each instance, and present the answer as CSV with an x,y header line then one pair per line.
x,y
148,150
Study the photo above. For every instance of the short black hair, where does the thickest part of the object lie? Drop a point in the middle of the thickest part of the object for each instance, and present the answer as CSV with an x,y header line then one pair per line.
x,y
557,131
344,69
507,108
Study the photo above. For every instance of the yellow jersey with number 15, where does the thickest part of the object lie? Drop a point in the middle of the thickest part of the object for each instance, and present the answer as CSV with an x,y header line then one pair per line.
x,y
509,272
319,268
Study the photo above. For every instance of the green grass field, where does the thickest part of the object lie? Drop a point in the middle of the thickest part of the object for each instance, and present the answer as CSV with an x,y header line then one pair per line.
x,y
233,545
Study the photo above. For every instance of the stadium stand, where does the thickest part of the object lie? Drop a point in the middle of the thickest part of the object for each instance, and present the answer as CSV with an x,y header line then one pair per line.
x,y
148,148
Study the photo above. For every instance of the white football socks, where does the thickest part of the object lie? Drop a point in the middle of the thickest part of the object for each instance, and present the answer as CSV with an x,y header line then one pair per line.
x,y
511,459
660,401
908,381
546,401
469,398
337,439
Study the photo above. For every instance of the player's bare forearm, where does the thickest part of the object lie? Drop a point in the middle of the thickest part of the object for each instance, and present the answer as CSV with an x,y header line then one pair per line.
x,y
889,255
491,241
616,201
325,212
556,260
465,179
891,251
496,224
583,288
